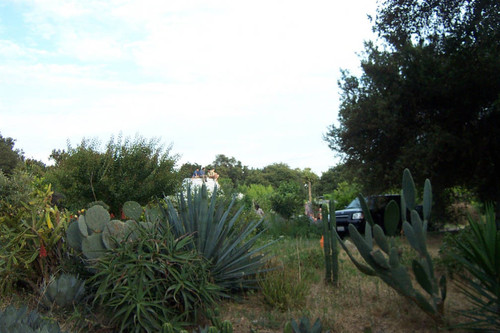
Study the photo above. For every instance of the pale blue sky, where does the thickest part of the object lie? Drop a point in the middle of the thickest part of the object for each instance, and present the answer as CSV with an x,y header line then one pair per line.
x,y
254,80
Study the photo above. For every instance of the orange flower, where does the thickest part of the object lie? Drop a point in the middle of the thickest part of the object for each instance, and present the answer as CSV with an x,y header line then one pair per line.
x,y
43,251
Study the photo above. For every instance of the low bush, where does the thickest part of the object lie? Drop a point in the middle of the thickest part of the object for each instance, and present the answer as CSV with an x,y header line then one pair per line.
x,y
151,280
284,288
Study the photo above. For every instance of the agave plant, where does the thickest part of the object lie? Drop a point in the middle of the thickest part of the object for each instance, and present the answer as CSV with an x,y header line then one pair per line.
x,y
22,320
228,245
63,291
479,253
303,326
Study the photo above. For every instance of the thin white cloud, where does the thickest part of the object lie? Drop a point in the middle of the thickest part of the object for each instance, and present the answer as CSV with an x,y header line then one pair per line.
x,y
255,80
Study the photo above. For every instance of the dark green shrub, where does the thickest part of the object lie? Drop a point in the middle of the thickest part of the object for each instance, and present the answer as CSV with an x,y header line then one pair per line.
x,y
449,248
126,169
218,236
152,280
479,255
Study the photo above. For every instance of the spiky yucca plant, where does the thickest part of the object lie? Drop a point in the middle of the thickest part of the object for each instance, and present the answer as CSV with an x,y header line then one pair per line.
x,y
479,254
228,245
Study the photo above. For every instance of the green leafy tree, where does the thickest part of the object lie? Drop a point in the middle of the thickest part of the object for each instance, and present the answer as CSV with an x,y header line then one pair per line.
x,y
428,97
229,167
137,170
288,199
345,193
277,173
257,194
186,170
330,179
9,157
309,178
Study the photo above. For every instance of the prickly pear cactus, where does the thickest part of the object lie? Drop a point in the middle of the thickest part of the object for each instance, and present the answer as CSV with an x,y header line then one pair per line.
x,y
132,210
384,261
115,231
94,233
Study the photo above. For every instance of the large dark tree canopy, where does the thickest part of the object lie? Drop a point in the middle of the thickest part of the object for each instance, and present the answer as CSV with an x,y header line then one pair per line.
x,y
428,98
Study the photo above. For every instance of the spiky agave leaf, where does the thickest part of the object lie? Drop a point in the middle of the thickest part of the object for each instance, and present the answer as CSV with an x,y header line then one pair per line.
x,y
217,236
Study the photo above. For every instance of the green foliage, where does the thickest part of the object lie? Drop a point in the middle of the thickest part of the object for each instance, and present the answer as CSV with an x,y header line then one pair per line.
x,y
297,226
303,326
448,250
151,280
63,291
135,170
427,97
385,261
30,232
226,327
257,194
284,288
345,193
330,179
278,173
9,157
22,320
230,168
14,190
287,199
226,244
479,255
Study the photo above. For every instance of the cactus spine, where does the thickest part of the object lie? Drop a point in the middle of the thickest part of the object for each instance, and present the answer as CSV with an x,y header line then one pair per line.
x,y
330,245
385,262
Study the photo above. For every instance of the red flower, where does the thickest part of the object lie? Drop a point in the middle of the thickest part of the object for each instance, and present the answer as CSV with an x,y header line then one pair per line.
x,y
43,251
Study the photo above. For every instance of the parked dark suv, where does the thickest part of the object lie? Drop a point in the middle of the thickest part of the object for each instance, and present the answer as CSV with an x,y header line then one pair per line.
x,y
353,214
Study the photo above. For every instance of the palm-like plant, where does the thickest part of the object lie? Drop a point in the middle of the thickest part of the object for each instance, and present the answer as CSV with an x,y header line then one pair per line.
x,y
479,253
217,236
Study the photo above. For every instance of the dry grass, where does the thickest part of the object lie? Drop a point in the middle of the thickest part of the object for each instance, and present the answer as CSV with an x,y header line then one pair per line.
x,y
358,304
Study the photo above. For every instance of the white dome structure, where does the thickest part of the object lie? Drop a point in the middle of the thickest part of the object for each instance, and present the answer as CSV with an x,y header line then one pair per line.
x,y
198,182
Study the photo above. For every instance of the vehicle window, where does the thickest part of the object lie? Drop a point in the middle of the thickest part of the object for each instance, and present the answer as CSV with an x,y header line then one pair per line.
x,y
354,204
